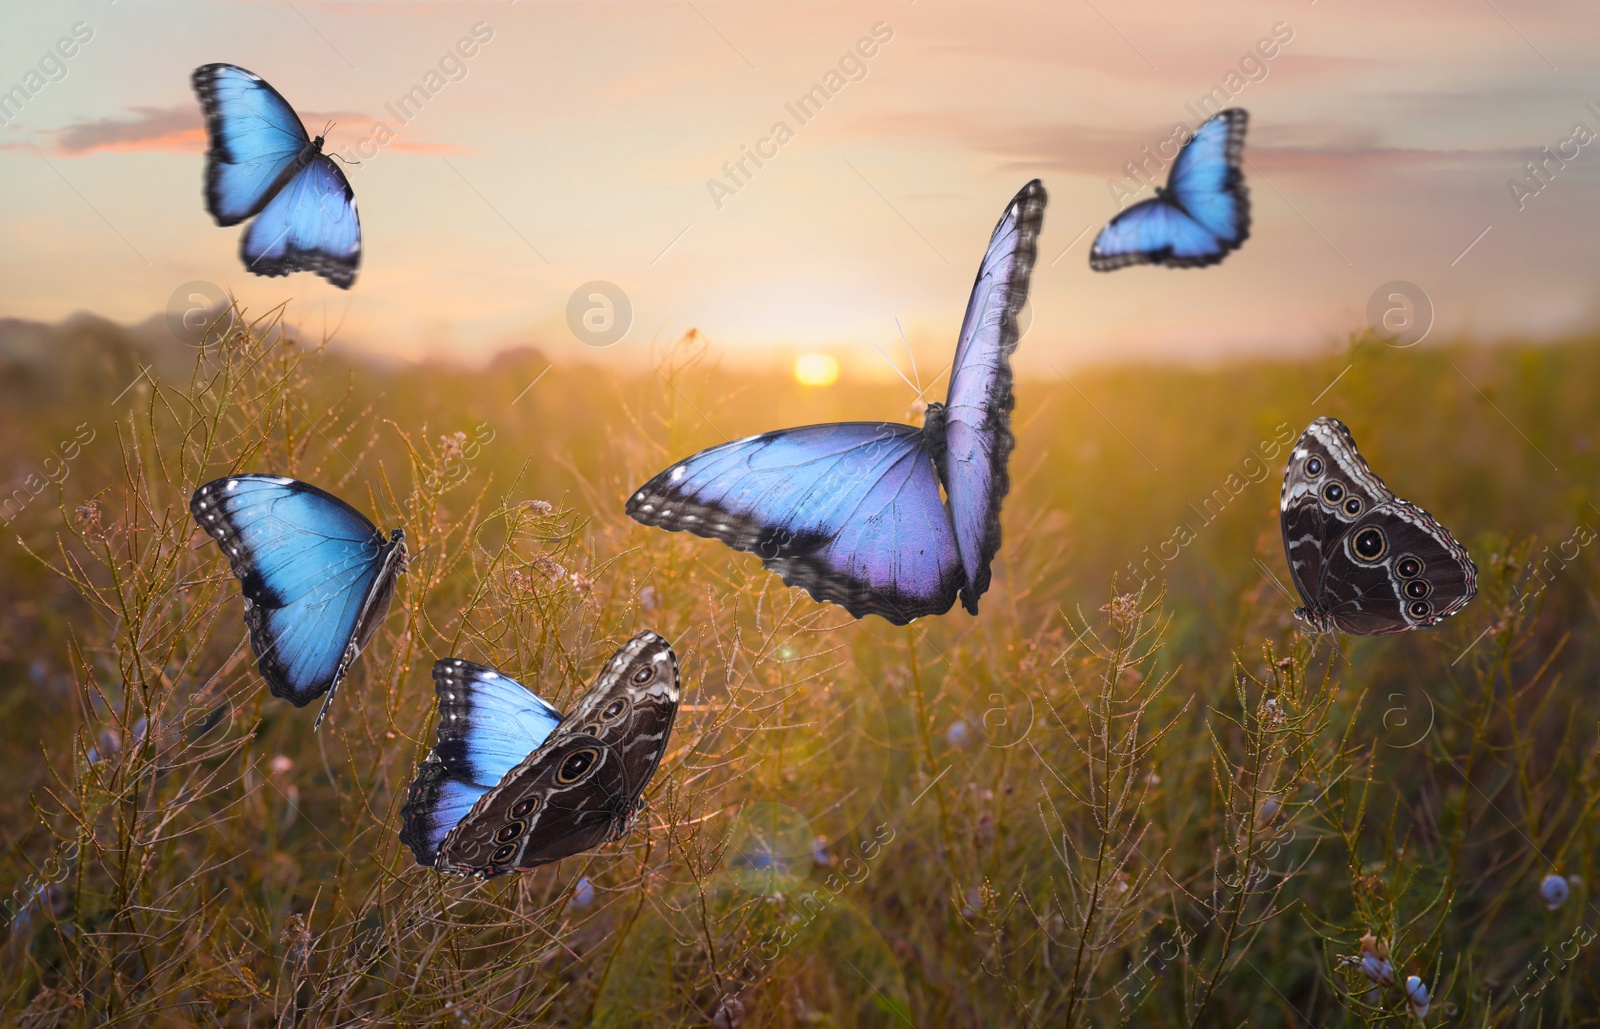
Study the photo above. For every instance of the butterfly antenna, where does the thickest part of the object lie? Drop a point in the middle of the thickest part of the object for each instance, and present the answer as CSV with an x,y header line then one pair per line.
x,y
1272,578
909,354
897,370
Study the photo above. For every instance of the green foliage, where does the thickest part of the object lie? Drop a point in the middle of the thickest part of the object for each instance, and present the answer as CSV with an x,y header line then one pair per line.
x,y
1130,793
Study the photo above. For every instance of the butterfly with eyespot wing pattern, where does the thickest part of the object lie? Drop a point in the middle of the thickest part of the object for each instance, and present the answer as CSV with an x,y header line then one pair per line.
x,y
1365,561
1202,214
317,576
851,512
482,805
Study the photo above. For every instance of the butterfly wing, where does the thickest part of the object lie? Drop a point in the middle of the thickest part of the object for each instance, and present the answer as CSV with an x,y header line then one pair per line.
x,y
850,513
255,140
310,225
317,576
488,723
1365,561
582,786
1206,181
1202,215
1154,232
978,438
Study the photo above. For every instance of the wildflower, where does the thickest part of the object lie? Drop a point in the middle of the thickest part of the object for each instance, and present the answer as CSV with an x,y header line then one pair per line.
x,y
983,832
1123,609
1375,961
1417,996
1554,889
549,567
110,744
1271,714
538,508
450,446
819,852
280,764
649,600
89,518
956,735
583,893
729,1014
1269,810
296,940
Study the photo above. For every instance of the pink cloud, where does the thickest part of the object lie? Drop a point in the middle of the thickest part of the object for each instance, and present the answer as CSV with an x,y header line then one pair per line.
x,y
151,128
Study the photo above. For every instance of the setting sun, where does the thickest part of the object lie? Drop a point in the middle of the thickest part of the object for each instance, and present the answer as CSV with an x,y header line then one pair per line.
x,y
816,370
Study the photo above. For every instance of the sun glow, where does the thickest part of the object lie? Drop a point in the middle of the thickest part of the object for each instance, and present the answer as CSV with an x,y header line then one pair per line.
x,y
816,370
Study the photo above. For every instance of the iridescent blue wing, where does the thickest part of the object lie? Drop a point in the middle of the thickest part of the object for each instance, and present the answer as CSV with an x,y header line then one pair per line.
x,y
488,723
1201,216
255,139
317,576
850,513
311,225
1206,182
1154,232
978,438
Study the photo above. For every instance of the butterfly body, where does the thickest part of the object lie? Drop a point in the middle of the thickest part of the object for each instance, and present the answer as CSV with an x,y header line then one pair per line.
x,y
852,512
512,784
262,164
1365,561
1200,216
318,577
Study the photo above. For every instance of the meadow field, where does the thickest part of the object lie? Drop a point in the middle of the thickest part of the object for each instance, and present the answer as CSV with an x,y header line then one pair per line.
x,y
1131,792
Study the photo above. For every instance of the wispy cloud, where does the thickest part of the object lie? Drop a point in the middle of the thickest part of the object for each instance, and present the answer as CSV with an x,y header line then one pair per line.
x,y
150,128
181,128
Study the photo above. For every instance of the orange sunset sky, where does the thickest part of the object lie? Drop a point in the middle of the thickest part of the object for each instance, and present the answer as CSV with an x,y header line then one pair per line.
x,y
579,142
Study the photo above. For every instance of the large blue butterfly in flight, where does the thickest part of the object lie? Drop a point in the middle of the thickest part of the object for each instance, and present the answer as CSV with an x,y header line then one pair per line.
x,y
1201,215
851,512
317,576
263,164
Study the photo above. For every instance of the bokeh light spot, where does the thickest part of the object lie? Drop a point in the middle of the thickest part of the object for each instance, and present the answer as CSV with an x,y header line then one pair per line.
x,y
816,370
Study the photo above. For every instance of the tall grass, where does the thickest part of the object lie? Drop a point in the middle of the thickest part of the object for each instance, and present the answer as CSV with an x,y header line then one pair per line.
x,y
1129,793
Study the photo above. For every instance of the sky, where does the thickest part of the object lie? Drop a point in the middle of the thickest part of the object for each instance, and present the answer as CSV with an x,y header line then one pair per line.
x,y
583,142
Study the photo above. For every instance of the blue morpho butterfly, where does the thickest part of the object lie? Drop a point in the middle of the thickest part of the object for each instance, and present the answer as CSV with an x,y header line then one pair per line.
x,y
262,163
1201,215
851,512
318,577
511,784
